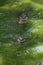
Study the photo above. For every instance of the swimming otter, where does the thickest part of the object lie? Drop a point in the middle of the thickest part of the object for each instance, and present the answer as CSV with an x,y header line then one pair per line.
x,y
20,39
23,18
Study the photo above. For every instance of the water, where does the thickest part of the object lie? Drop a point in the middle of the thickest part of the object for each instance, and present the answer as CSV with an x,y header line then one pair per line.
x,y
31,51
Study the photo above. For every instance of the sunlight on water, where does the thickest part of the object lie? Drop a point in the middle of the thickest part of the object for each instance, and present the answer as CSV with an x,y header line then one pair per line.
x,y
7,45
41,63
38,49
39,26
35,30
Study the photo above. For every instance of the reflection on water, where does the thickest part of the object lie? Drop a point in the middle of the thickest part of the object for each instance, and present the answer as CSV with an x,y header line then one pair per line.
x,y
26,52
38,49
41,63
9,36
35,30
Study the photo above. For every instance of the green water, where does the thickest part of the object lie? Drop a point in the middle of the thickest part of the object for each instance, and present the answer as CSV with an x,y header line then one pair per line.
x,y
11,51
